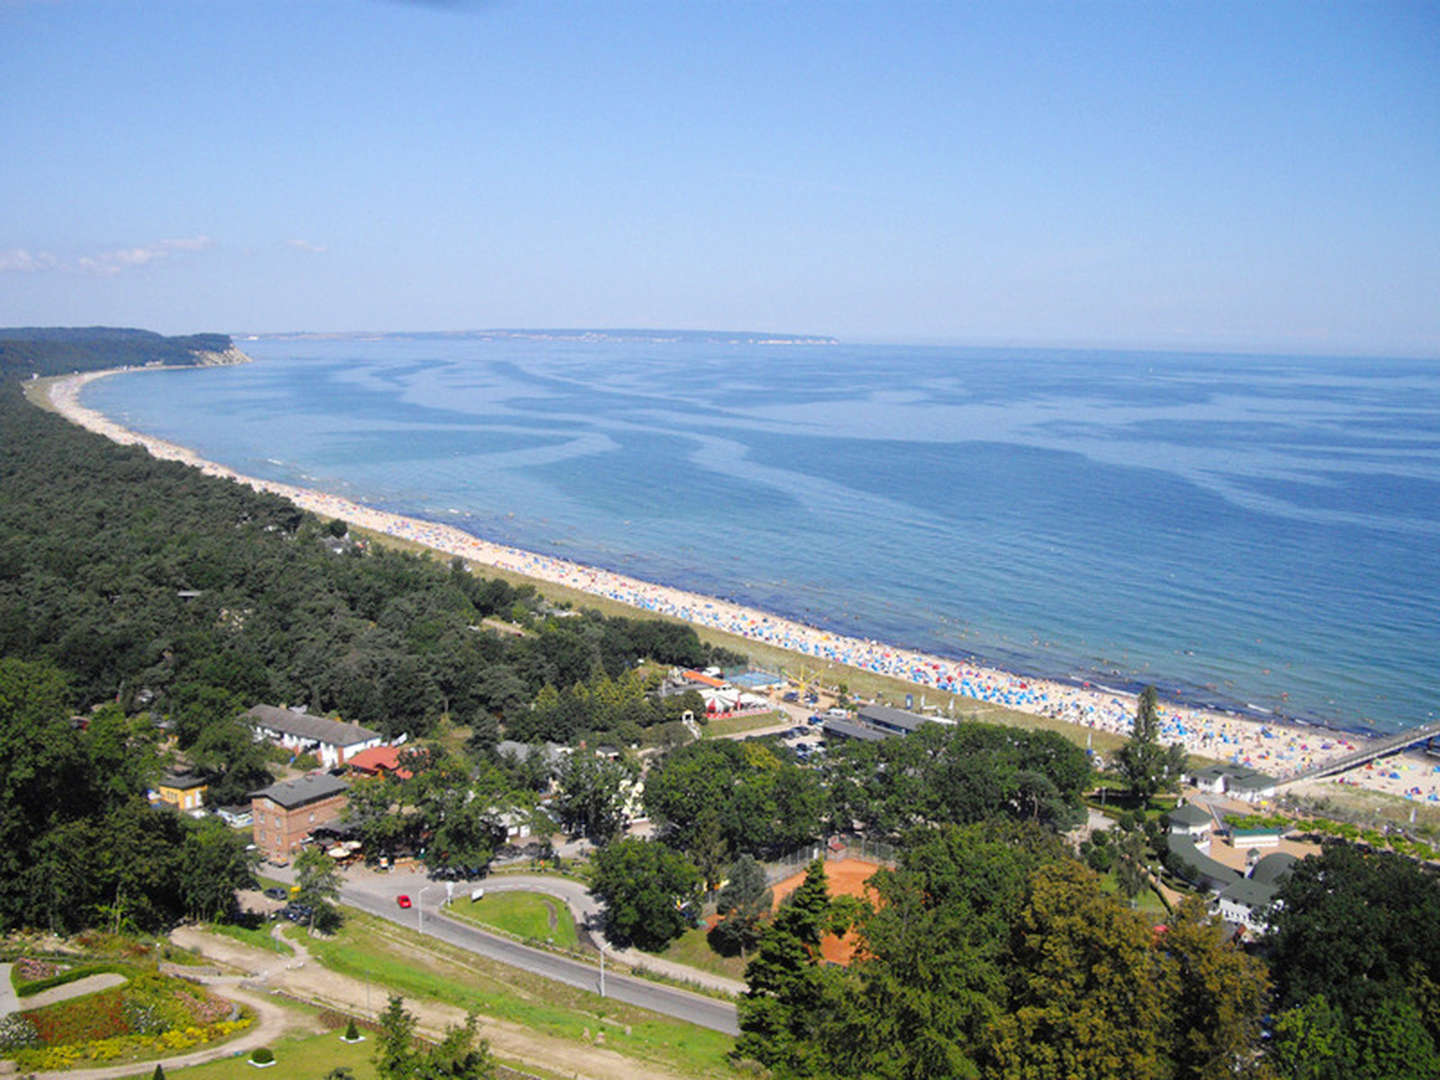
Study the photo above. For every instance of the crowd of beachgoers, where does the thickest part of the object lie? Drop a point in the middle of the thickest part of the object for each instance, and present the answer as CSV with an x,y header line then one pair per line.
x,y
1275,748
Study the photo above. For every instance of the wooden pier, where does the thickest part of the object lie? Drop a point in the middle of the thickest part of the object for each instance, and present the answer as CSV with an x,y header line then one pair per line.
x,y
1391,744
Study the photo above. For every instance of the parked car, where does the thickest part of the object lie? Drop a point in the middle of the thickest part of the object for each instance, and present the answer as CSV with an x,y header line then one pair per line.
x,y
277,893
403,900
298,913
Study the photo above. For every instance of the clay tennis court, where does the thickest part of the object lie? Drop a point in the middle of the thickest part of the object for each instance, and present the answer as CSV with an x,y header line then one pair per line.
x,y
846,877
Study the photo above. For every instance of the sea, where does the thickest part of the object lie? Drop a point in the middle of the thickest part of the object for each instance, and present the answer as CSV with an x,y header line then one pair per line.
x,y
1255,533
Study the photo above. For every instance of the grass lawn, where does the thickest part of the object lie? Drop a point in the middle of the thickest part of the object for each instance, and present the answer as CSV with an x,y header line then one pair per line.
x,y
414,966
692,949
525,914
734,725
258,938
1148,902
305,1057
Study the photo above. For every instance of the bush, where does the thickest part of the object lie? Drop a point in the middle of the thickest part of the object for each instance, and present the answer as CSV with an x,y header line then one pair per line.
x,y
262,1055
352,1033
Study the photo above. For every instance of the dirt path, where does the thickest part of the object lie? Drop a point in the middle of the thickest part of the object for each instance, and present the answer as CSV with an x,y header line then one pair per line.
x,y
305,978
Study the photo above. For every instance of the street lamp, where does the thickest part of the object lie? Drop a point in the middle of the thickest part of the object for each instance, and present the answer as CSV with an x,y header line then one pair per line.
x,y
420,906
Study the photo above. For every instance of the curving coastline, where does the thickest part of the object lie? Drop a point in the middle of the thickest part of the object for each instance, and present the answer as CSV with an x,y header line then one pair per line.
x,y
1276,748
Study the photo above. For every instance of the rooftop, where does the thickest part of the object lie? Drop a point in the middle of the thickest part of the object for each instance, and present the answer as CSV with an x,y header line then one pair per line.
x,y
848,730
1273,868
1189,815
885,716
299,792
1253,894
377,758
305,726
1197,863
183,781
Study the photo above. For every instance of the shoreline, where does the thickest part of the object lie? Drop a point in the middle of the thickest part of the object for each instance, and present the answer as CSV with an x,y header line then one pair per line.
x,y
1279,748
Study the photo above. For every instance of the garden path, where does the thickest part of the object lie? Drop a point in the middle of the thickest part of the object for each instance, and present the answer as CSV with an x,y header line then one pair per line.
x,y
8,1001
91,984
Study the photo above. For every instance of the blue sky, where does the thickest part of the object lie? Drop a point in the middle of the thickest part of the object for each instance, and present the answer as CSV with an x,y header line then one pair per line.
x,y
1206,175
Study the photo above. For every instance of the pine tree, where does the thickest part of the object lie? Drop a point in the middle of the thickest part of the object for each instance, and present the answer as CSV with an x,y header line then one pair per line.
x,y
1147,765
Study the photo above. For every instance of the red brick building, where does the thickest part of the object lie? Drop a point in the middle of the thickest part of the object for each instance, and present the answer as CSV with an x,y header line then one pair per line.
x,y
286,813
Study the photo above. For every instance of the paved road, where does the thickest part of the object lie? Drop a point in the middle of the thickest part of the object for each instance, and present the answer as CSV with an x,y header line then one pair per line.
x,y
379,899
588,913
376,893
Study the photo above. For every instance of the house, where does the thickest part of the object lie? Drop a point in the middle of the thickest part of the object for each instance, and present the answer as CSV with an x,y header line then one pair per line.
x,y
1189,861
331,741
1239,781
237,817
286,813
835,728
1265,836
184,791
895,721
1189,820
516,824
378,760
1250,784
1250,901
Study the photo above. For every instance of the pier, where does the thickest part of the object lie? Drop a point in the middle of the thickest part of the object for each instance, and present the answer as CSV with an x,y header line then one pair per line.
x,y
1391,744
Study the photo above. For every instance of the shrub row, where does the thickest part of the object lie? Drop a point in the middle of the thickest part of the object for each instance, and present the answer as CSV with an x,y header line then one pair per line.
x,y
35,986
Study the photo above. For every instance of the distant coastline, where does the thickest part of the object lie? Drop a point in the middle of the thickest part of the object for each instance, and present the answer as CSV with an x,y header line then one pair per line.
x,y
708,337
1273,746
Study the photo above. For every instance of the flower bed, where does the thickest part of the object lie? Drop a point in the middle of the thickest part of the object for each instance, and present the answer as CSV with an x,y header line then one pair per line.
x,y
127,1046
28,969
149,1014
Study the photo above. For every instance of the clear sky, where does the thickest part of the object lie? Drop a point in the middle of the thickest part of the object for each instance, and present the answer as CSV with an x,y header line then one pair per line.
x,y
1196,175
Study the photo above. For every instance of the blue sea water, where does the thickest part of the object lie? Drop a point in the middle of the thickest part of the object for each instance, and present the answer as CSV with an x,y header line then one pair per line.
x,y
1254,532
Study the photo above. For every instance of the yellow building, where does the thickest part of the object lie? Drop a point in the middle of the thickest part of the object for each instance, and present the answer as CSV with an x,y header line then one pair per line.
x,y
182,792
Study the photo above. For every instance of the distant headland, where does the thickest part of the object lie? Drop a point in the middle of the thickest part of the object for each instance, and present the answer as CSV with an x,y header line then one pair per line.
x,y
708,337
39,351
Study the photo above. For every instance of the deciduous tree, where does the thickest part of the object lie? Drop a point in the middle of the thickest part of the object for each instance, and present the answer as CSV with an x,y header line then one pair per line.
x,y
644,886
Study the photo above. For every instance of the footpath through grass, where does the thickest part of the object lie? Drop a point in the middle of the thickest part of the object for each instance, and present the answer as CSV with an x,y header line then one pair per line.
x,y
529,915
397,959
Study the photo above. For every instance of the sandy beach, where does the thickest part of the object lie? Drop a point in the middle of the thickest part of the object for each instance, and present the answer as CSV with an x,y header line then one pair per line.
x,y
1278,749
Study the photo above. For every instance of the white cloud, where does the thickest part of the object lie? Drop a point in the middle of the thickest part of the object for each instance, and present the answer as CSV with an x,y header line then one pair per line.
x,y
20,261
118,260
104,263
305,245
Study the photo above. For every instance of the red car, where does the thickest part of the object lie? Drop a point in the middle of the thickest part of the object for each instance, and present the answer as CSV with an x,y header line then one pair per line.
x,y
403,900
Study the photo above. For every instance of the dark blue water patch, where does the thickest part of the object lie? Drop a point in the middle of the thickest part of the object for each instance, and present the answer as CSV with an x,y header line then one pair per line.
x,y
651,475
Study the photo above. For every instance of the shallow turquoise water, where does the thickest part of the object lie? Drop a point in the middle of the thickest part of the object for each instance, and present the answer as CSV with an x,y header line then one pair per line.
x,y
1252,531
